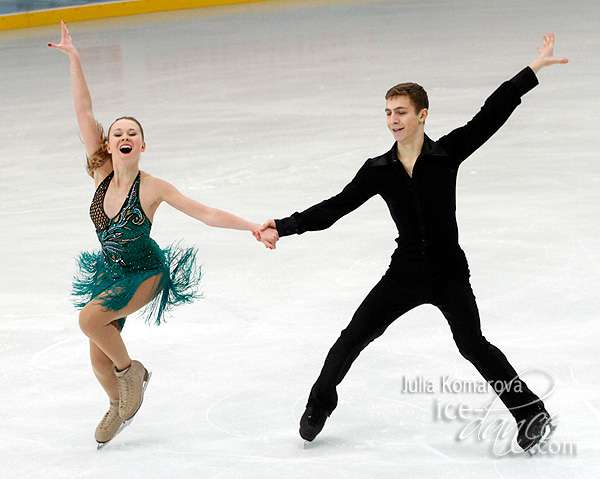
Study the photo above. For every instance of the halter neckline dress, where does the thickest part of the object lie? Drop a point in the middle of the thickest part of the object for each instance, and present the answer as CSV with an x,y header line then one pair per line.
x,y
128,257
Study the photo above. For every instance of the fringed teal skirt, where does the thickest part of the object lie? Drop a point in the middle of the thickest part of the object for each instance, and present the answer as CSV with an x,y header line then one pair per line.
x,y
113,284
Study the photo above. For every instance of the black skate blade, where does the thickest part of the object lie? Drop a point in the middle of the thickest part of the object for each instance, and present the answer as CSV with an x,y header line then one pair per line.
x,y
125,423
535,449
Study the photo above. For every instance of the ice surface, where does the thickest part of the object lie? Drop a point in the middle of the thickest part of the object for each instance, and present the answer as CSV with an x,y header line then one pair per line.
x,y
263,110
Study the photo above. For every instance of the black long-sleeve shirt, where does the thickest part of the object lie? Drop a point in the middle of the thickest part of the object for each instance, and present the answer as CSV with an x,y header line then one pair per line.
x,y
422,206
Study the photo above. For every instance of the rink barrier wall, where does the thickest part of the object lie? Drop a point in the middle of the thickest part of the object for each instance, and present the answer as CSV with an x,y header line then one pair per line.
x,y
104,10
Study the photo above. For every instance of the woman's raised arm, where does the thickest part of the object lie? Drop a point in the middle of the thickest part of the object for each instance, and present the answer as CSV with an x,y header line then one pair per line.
x,y
88,127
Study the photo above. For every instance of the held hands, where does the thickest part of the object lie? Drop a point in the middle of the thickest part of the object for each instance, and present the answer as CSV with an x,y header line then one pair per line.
x,y
546,54
65,45
267,234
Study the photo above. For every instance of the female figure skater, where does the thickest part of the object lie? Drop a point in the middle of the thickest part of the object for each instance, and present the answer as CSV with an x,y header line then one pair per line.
x,y
130,271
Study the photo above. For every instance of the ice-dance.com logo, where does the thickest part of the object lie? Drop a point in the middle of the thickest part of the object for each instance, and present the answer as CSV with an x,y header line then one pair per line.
x,y
488,423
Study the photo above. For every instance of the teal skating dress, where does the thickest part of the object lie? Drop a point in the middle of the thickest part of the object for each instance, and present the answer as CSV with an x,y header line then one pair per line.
x,y
129,257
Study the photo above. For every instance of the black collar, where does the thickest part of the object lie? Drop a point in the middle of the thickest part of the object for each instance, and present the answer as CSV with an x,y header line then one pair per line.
x,y
430,147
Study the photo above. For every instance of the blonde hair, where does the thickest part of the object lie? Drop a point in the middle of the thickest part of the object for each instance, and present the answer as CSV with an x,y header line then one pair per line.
x,y
101,155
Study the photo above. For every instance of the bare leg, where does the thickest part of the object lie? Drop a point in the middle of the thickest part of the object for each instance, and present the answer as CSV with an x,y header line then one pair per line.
x,y
104,370
95,322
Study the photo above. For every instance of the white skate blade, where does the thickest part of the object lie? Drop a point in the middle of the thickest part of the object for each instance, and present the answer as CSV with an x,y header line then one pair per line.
x,y
146,382
123,426
548,431
125,423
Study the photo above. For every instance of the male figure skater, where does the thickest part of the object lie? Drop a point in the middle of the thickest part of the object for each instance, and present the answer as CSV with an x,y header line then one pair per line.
x,y
417,180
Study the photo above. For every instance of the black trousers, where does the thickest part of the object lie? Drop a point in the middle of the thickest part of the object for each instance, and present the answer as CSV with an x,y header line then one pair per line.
x,y
409,282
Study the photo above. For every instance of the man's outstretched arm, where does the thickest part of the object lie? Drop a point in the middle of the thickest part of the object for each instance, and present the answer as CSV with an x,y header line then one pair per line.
x,y
324,214
498,107
546,55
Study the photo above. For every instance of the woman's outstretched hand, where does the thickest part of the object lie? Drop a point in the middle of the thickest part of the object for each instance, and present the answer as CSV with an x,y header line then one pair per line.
x,y
66,44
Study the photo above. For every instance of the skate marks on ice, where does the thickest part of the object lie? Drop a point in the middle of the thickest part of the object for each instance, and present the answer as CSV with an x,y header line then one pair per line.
x,y
583,387
354,443
250,414
42,360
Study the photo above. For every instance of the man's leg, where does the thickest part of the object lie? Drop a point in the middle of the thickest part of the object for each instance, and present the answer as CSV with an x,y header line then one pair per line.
x,y
379,309
460,309
533,421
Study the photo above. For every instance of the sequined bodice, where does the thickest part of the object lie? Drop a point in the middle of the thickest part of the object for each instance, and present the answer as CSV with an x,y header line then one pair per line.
x,y
125,239
97,213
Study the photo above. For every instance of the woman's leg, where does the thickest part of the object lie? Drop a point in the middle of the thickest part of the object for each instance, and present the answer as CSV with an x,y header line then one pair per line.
x,y
104,370
95,322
